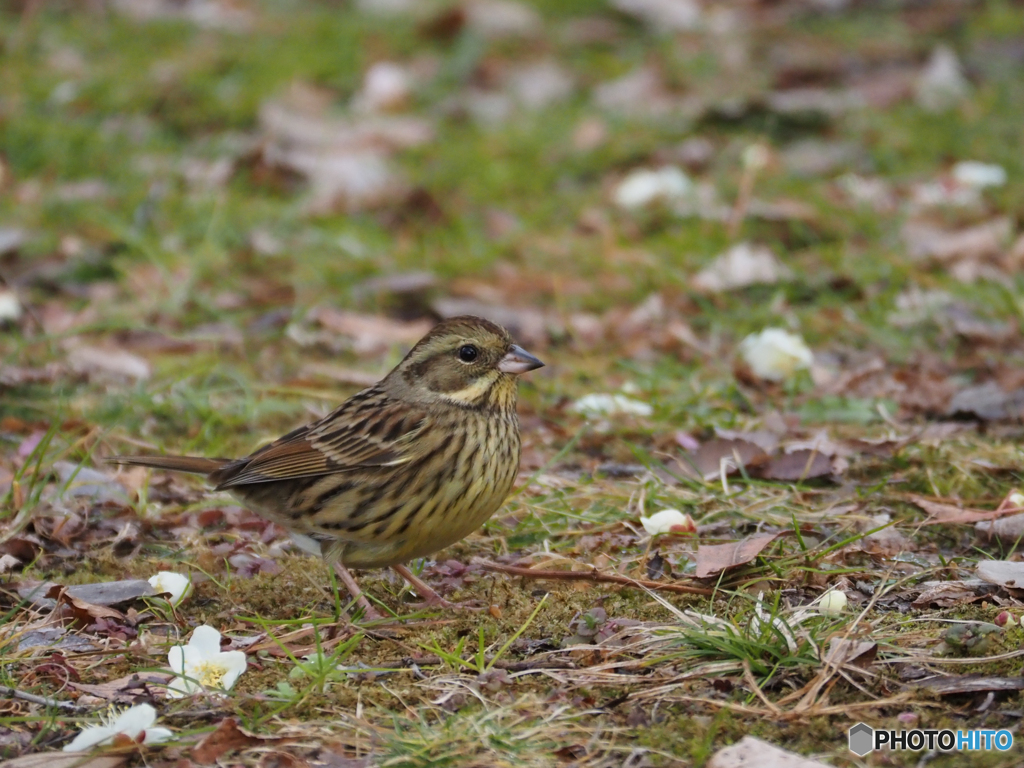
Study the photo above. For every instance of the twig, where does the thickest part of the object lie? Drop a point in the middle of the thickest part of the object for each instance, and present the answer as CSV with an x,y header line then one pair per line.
x,y
591,575
748,675
14,693
511,666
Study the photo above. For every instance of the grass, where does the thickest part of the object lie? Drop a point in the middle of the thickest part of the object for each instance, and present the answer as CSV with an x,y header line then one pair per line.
x,y
157,262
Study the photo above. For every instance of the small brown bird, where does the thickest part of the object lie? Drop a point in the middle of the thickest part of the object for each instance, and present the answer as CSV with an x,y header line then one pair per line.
x,y
400,470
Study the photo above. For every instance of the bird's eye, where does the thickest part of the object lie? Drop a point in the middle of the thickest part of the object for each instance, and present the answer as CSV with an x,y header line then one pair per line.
x,y
468,353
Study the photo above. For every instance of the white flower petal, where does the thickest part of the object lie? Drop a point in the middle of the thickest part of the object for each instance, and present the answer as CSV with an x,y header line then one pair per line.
x,y
156,735
775,354
832,603
643,187
176,584
176,658
971,173
134,720
205,640
611,405
179,687
666,520
235,663
90,737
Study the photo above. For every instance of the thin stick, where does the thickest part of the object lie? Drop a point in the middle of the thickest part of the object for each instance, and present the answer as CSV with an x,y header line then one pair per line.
x,y
14,693
592,575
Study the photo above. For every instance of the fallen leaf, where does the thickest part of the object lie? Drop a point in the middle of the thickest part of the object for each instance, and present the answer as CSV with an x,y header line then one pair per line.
x,y
988,402
346,161
945,686
751,752
1002,572
929,241
103,362
803,464
713,559
662,16
946,594
11,239
105,593
224,16
708,459
228,737
84,612
125,690
87,483
860,653
502,18
1007,529
941,513
529,325
639,92
370,334
540,85
886,542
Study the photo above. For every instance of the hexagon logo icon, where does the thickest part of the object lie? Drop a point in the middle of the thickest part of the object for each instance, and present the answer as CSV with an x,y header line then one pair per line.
x,y
862,739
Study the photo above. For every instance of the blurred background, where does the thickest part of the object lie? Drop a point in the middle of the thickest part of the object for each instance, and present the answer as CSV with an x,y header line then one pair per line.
x,y
252,195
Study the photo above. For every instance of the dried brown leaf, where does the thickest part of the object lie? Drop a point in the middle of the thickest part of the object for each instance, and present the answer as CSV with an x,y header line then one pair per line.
x,y
801,464
946,594
942,513
707,459
860,653
371,334
712,559
228,737
1002,572
125,689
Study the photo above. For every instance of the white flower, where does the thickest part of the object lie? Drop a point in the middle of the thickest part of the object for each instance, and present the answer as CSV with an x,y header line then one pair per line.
x,y
775,354
1015,499
668,521
832,603
10,307
177,585
202,665
387,86
971,173
611,405
643,187
132,723
756,157
941,84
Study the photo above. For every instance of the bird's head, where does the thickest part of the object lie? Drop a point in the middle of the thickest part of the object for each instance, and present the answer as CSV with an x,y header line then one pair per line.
x,y
464,361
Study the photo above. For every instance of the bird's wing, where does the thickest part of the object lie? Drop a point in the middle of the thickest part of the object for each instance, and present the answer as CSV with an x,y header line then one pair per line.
x,y
364,432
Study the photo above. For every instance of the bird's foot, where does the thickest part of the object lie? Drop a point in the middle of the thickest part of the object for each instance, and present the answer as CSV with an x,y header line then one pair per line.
x,y
369,612
430,598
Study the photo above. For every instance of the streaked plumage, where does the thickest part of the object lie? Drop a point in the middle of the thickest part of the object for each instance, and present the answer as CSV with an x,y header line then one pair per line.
x,y
400,470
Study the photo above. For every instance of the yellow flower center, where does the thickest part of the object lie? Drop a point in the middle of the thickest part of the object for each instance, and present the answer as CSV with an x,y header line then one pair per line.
x,y
208,674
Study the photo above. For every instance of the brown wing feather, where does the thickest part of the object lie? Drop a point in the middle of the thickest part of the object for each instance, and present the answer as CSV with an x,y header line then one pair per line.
x,y
368,430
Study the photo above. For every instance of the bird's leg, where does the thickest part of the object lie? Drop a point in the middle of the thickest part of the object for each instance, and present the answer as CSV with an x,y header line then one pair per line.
x,y
424,590
357,594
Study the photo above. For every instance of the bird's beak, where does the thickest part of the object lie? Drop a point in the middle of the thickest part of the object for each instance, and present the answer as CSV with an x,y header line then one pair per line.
x,y
518,360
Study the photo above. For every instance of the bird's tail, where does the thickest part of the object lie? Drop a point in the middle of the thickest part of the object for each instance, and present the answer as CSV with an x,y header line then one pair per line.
x,y
196,464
